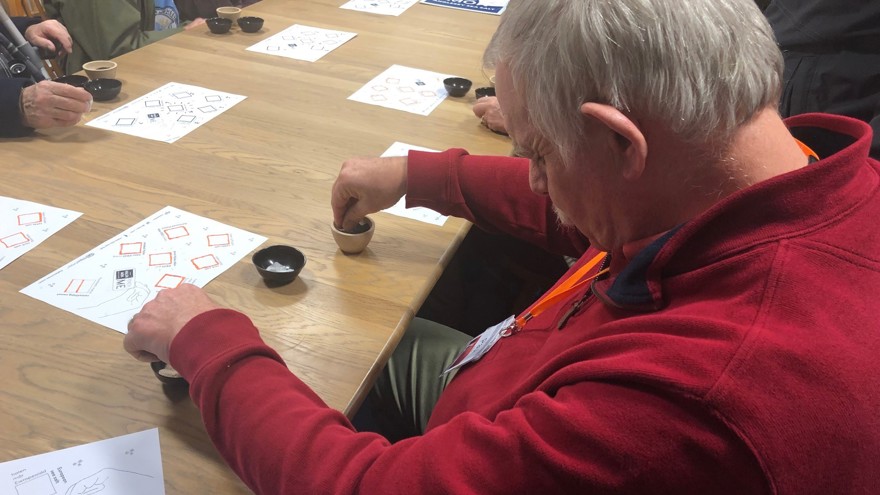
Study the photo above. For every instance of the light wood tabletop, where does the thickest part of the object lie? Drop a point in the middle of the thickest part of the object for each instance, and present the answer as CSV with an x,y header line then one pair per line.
x,y
266,165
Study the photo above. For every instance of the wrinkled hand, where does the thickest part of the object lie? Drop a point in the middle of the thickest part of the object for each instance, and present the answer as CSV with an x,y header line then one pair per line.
x,y
151,331
51,35
51,104
198,21
489,112
367,185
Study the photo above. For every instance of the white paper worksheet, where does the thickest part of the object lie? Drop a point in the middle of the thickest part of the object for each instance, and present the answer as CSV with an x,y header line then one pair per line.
x,y
126,465
383,7
167,113
24,225
111,283
403,88
302,42
426,215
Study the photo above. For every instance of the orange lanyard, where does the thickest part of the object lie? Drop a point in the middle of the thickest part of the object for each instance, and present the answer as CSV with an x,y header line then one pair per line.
x,y
807,150
561,291
576,280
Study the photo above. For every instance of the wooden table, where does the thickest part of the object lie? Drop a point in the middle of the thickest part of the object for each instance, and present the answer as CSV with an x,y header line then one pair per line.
x,y
267,166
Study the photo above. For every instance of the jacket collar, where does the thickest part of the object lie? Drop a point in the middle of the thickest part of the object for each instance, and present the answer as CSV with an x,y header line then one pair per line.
x,y
784,206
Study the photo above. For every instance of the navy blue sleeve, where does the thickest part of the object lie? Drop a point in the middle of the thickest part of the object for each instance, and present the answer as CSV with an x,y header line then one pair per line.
x,y
10,111
22,23
10,92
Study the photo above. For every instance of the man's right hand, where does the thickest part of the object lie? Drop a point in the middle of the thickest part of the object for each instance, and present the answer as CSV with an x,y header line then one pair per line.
x,y
367,185
51,104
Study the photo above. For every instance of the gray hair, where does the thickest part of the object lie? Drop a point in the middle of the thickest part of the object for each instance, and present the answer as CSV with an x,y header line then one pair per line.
x,y
705,67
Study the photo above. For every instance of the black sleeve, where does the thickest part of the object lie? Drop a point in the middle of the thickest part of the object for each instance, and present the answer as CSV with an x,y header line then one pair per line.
x,y
10,111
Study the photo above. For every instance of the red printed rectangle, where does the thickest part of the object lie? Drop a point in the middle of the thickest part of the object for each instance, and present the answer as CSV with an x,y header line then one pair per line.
x,y
15,240
161,259
79,286
131,248
169,281
175,232
206,261
30,218
219,240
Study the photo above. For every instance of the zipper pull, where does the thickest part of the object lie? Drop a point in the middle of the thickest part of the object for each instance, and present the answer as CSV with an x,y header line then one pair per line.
x,y
568,314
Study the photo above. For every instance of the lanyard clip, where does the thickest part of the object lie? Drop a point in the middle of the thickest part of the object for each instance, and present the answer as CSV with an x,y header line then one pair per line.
x,y
513,328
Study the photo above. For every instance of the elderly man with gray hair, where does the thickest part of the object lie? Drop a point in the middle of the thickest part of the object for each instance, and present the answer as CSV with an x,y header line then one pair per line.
x,y
719,333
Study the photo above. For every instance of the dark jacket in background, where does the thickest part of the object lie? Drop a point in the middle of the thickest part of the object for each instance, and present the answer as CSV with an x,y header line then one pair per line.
x,y
191,9
832,58
10,90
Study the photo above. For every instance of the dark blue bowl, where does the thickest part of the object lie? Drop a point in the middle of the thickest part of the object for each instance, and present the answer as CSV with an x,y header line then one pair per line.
x,y
103,89
219,25
279,265
457,86
250,24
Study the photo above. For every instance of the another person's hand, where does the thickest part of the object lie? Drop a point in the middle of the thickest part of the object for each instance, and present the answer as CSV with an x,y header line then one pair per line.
x,y
489,112
367,185
50,35
51,104
151,331
198,21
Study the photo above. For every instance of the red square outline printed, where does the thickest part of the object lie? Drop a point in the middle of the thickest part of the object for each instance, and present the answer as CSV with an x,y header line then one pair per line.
x,y
169,281
175,232
155,259
16,239
210,261
131,248
27,218
215,240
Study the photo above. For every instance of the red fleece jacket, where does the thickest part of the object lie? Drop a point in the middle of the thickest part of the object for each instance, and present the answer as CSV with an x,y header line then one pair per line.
x,y
737,354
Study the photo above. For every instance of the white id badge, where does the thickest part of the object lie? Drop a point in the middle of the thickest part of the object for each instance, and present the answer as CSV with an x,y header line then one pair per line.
x,y
480,345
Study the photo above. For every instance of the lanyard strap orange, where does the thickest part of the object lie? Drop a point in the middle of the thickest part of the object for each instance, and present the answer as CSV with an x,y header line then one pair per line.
x,y
807,150
569,285
576,280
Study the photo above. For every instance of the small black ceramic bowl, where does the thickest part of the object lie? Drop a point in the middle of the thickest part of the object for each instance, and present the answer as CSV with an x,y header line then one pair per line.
x,y
484,92
457,86
103,89
250,24
167,374
73,80
279,265
219,25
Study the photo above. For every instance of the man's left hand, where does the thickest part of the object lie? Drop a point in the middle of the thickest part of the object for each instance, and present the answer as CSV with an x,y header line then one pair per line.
x,y
50,35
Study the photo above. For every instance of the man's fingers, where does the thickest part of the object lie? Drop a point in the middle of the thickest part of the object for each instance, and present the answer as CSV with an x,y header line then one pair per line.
x,y
45,44
50,104
71,120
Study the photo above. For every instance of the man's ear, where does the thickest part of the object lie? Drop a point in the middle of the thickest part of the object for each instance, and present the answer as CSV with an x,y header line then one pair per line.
x,y
629,141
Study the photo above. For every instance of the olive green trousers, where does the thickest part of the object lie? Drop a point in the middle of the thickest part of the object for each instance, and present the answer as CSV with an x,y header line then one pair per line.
x,y
407,389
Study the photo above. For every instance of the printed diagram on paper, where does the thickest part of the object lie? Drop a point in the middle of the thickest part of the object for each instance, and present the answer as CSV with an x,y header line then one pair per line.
x,y
24,225
168,113
426,215
302,42
383,7
495,7
403,88
110,283
126,465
